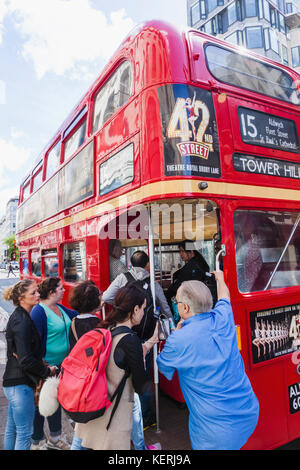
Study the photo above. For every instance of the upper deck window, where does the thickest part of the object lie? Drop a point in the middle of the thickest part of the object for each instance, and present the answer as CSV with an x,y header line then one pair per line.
x,y
53,160
37,179
26,191
236,69
117,171
114,94
75,141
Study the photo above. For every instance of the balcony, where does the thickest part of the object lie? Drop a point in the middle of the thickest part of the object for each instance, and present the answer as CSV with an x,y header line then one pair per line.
x,y
293,20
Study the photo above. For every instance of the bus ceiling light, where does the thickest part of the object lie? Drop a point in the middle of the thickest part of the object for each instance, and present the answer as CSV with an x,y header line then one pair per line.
x,y
203,185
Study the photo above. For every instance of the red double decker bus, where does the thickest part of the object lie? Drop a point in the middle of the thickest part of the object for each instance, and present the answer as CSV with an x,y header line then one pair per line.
x,y
187,137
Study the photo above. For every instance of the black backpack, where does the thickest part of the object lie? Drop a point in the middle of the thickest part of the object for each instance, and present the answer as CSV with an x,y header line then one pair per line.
x,y
147,326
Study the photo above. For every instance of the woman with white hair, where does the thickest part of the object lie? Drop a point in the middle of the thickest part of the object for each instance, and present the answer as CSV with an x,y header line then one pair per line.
x,y
204,351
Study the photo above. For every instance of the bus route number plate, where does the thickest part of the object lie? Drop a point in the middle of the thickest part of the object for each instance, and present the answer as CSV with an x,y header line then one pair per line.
x,y
294,398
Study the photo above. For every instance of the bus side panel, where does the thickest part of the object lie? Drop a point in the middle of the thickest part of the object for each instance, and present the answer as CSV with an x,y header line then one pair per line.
x,y
268,378
267,383
292,394
92,261
151,138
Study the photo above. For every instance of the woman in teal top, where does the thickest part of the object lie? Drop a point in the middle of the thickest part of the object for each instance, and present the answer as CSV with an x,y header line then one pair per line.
x,y
53,321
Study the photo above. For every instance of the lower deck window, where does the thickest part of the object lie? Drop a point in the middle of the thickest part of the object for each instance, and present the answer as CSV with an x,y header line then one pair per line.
x,y
74,262
24,263
50,261
36,263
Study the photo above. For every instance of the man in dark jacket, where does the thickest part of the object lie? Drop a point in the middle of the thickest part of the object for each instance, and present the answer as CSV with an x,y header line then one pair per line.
x,y
139,272
195,269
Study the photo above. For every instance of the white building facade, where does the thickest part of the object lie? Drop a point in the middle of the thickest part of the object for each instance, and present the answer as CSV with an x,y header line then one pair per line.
x,y
270,28
8,226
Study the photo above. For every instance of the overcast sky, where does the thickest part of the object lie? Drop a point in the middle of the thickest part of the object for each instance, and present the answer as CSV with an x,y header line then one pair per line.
x,y
51,51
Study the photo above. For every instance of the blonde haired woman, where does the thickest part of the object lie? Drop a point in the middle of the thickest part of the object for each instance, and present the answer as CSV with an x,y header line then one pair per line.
x,y
24,367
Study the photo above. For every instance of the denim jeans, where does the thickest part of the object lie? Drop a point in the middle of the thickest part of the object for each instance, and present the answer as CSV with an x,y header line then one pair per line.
x,y
54,423
20,417
146,398
137,432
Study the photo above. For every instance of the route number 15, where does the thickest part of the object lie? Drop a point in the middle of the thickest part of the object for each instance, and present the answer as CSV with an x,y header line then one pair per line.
x,y
249,128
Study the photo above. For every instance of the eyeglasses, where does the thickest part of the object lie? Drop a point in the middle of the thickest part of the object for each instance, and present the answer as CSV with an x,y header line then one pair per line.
x,y
175,301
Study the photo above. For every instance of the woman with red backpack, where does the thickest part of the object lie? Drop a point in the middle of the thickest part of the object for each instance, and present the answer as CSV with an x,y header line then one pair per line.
x,y
126,357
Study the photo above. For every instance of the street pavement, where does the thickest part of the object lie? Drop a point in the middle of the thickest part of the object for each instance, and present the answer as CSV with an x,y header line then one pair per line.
x,y
6,308
66,424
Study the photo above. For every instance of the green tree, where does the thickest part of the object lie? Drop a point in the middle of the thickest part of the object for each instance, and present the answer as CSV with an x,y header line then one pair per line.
x,y
10,242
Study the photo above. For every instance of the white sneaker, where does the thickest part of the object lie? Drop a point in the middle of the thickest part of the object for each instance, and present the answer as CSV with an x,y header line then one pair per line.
x,y
156,446
61,444
40,446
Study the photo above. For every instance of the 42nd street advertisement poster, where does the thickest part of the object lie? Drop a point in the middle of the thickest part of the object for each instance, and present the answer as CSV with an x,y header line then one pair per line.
x,y
189,128
275,332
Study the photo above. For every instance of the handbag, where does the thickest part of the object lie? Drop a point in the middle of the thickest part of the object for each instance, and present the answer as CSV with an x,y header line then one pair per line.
x,y
163,327
37,391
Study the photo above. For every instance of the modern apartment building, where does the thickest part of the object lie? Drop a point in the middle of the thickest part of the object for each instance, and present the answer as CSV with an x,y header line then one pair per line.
x,y
270,28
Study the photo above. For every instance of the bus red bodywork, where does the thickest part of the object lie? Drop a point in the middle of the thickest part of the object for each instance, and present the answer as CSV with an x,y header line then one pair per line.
x,y
162,55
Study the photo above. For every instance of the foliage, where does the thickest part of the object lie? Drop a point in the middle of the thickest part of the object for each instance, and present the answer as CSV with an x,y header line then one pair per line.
x,y
9,242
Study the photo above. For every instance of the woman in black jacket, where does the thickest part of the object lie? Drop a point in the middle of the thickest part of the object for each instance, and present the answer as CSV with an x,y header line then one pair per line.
x,y
24,367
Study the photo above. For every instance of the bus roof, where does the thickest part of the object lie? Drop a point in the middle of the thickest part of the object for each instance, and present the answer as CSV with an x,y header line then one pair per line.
x,y
172,35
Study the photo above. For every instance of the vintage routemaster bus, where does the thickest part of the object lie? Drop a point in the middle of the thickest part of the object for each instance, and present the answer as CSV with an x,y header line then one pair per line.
x,y
202,137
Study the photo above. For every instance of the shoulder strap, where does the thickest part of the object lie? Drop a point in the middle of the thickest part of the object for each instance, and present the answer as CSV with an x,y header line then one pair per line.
x,y
118,330
118,393
74,329
129,276
119,390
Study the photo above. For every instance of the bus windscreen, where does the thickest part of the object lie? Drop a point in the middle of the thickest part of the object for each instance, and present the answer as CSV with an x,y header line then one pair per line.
x,y
242,71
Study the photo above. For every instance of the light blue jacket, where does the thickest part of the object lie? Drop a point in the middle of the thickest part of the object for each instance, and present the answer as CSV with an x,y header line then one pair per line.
x,y
223,407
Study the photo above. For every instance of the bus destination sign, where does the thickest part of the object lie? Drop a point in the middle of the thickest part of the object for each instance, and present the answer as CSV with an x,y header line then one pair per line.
x,y
268,130
265,166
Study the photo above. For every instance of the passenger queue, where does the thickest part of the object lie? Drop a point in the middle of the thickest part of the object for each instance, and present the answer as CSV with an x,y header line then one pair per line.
x,y
203,349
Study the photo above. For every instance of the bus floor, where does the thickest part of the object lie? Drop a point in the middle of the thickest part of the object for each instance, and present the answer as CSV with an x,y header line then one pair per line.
x,y
173,433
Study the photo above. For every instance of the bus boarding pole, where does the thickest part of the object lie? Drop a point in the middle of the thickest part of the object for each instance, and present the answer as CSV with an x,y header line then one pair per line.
x,y
152,284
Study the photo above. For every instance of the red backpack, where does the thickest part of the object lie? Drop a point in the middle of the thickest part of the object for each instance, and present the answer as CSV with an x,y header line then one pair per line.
x,y
82,389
